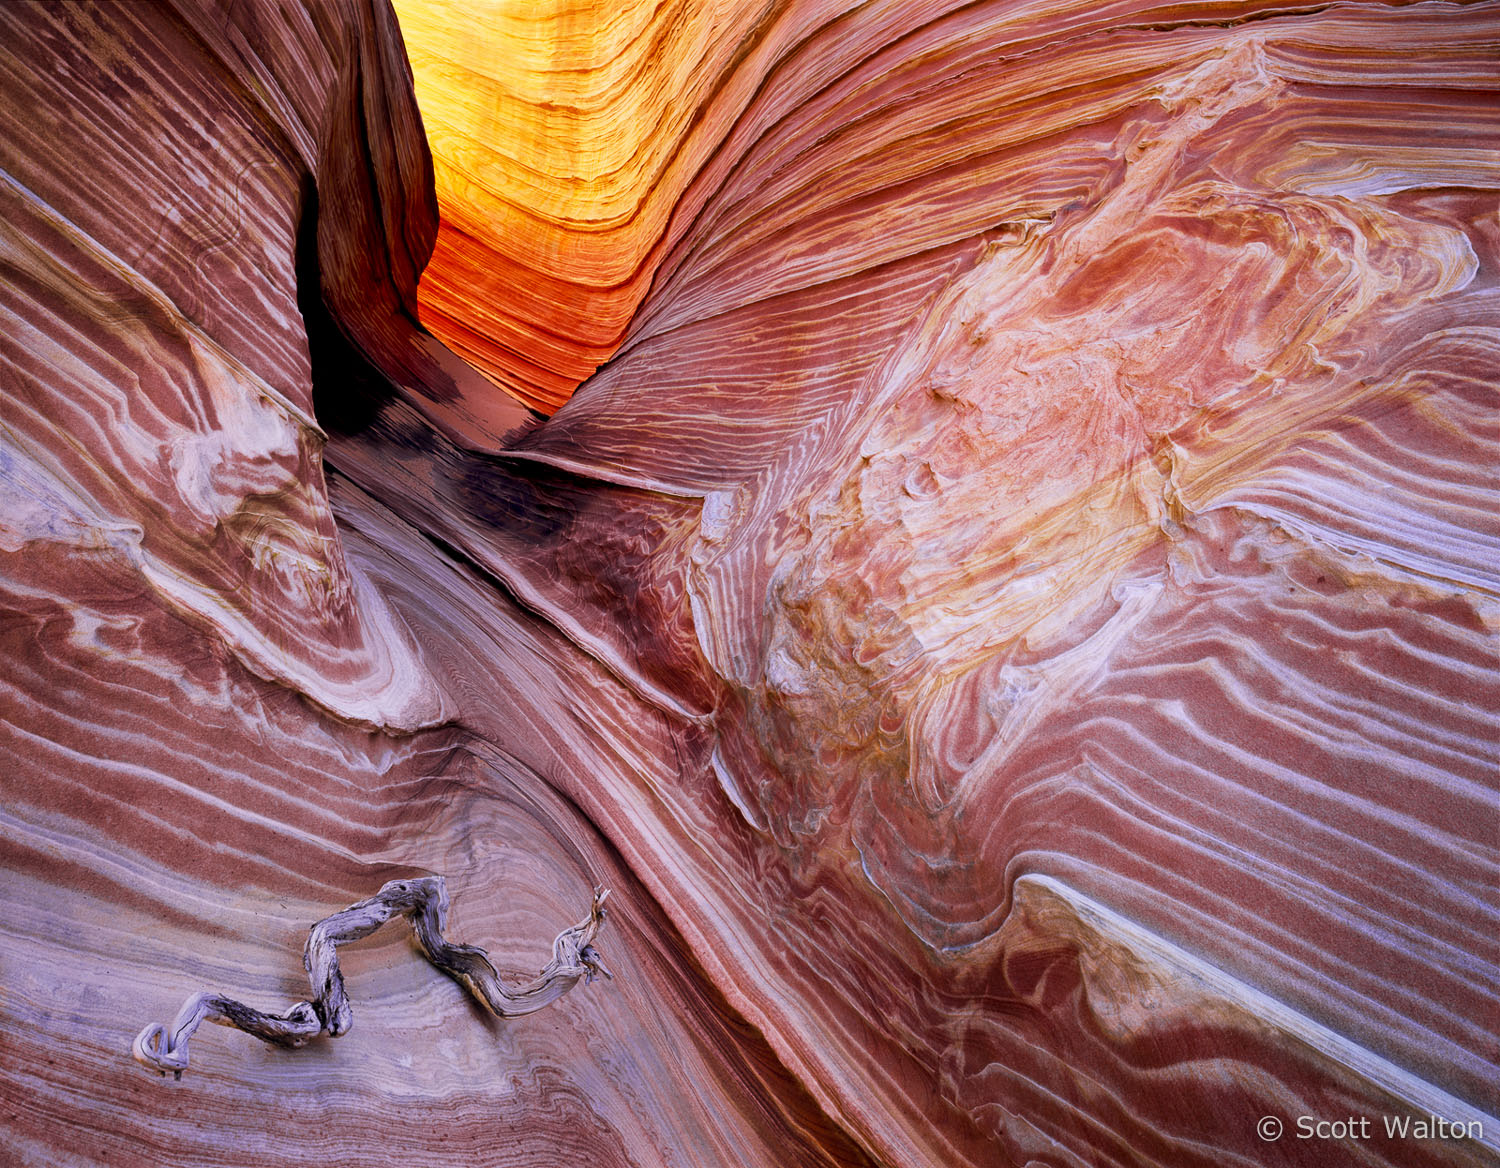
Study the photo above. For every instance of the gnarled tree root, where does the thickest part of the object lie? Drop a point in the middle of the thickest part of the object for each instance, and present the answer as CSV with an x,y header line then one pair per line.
x,y
423,902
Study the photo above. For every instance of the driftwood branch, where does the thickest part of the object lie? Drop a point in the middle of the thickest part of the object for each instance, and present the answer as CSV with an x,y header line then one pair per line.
x,y
424,903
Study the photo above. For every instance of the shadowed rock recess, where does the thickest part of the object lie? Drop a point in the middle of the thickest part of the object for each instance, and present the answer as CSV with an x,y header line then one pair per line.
x,y
1007,596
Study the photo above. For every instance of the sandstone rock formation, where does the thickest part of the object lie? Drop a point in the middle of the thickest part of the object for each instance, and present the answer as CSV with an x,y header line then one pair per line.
x,y
1013,618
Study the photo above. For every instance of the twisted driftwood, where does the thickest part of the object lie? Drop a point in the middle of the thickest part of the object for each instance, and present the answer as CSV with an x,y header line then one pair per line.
x,y
423,902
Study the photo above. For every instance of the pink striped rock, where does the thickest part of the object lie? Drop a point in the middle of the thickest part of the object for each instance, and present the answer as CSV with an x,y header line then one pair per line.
x,y
1013,623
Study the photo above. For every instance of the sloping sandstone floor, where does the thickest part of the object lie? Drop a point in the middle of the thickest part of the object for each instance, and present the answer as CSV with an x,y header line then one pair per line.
x,y
1006,597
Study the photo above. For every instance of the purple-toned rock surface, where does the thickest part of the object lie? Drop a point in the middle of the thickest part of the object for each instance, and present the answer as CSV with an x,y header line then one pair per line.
x,y
1014,622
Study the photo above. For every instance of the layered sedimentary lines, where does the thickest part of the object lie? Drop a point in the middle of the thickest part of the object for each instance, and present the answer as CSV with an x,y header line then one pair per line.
x,y
1098,481
1014,622
156,369
564,136
212,713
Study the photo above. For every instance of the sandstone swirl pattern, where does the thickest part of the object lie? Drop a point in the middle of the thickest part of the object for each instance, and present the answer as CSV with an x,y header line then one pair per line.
x,y
1014,620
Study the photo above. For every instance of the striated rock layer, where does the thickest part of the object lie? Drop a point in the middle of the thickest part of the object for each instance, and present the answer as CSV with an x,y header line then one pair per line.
x,y
219,725
1014,622
565,137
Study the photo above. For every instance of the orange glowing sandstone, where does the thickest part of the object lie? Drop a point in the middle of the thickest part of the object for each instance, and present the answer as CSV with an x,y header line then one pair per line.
x,y
563,138
1015,620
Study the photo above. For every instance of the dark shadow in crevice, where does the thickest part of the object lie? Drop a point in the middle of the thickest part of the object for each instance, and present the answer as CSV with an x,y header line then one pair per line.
x,y
348,392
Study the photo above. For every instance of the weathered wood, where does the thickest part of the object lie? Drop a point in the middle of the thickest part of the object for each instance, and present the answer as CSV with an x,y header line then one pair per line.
x,y
424,903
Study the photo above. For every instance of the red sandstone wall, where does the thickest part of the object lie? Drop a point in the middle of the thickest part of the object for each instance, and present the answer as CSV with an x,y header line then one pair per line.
x,y
1014,622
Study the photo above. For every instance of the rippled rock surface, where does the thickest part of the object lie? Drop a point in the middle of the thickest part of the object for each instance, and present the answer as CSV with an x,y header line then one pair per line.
x,y
1014,620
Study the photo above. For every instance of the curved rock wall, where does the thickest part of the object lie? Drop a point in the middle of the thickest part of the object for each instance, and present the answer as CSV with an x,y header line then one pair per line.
x,y
1014,622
